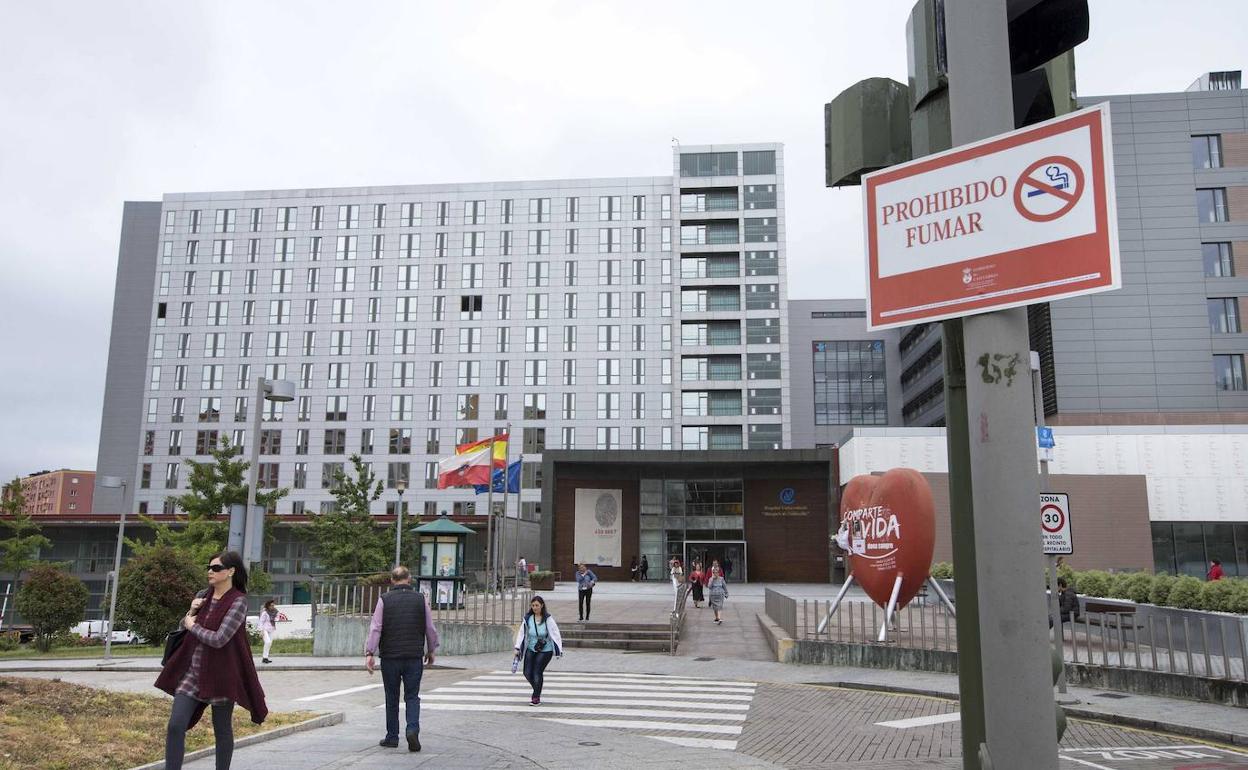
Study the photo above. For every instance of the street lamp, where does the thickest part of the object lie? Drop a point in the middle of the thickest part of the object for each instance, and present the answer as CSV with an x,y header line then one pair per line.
x,y
115,482
401,486
278,391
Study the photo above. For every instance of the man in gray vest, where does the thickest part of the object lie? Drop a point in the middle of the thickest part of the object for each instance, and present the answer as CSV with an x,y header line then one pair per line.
x,y
401,630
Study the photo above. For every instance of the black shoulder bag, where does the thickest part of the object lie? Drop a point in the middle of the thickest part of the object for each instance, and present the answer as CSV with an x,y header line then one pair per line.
x,y
175,637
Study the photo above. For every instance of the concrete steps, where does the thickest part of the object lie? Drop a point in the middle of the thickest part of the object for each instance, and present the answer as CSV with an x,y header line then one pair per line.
x,y
654,637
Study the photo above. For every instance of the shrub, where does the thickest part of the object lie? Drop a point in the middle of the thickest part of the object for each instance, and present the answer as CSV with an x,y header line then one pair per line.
x,y
1220,595
1093,583
942,570
157,587
10,640
51,600
1135,586
1185,593
1239,599
1065,572
1159,594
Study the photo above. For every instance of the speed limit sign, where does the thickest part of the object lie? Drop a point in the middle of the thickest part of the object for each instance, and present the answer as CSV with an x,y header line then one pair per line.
x,y
1055,523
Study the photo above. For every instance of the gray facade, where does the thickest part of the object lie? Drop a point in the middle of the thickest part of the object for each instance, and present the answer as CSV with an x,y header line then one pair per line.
x,y
584,313
126,375
834,386
1146,353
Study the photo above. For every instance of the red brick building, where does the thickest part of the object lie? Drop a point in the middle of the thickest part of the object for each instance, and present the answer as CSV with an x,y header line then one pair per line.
x,y
58,492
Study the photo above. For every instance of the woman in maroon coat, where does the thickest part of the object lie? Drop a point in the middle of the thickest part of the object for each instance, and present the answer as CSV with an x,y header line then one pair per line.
x,y
213,665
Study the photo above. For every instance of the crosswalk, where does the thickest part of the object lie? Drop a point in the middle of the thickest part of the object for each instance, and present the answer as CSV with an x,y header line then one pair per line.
x,y
686,711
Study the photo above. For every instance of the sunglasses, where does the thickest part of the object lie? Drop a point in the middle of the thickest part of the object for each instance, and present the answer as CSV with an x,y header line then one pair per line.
x,y
217,568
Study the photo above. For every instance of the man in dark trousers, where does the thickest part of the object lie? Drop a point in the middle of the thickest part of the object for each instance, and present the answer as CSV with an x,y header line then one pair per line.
x,y
401,631
585,582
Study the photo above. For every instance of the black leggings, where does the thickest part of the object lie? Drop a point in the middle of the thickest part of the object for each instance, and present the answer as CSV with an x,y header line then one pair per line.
x,y
535,667
175,735
583,597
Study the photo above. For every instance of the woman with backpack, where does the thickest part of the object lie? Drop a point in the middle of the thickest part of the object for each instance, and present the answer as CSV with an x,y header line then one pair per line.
x,y
213,664
537,641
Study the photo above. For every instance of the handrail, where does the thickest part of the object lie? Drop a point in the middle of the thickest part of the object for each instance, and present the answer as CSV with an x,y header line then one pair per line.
x,y
678,615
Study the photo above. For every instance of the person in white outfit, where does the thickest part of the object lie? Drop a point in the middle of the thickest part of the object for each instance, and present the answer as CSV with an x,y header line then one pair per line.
x,y
268,627
677,573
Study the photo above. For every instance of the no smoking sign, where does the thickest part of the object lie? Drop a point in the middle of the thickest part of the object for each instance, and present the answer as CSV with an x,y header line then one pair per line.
x,y
1048,188
1055,524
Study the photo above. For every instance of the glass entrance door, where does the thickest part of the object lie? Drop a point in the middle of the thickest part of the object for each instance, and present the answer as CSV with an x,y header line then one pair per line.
x,y
729,554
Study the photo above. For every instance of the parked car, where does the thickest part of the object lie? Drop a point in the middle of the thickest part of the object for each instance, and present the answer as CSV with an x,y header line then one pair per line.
x,y
95,629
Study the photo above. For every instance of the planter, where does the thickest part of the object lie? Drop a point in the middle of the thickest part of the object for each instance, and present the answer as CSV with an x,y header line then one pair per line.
x,y
542,581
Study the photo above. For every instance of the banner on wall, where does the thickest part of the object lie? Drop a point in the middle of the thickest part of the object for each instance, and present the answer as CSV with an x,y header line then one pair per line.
x,y
599,524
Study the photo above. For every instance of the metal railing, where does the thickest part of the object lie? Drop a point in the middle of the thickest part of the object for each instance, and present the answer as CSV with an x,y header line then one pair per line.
x,y
783,610
1195,644
347,595
678,616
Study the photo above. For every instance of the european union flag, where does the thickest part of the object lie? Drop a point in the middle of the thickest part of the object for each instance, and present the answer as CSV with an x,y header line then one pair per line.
x,y
513,480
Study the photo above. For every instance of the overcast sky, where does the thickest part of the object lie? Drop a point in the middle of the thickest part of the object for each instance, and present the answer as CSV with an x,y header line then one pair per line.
x,y
106,102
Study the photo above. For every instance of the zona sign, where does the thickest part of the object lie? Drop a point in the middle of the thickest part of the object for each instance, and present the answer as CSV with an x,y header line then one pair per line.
x,y
1024,217
1055,523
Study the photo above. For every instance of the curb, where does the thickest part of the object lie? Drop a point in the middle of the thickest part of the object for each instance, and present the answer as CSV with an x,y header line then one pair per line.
x,y
1092,715
326,720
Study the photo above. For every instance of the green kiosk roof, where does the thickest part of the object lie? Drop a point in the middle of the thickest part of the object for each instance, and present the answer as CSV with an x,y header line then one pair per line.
x,y
442,526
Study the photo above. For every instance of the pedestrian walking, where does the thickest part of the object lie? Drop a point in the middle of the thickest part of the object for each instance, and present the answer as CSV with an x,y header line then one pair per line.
x,y
718,588
695,583
1215,570
401,633
213,664
585,582
522,571
677,573
644,568
538,640
268,628
1067,602
727,568
632,570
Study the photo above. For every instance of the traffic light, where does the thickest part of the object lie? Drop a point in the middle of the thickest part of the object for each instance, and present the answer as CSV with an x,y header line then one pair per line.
x,y
865,128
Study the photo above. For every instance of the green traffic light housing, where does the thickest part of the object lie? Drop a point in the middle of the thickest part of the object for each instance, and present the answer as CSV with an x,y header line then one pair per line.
x,y
866,128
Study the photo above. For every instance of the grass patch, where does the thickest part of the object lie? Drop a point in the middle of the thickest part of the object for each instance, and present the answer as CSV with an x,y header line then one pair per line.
x,y
28,652
54,725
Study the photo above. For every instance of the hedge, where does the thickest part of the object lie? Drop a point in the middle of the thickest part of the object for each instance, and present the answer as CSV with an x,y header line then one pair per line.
x,y
1184,592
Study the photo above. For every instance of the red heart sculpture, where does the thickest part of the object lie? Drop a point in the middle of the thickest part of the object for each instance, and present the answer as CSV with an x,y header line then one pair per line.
x,y
892,530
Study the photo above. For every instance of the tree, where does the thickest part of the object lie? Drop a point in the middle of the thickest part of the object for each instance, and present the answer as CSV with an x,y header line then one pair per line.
x,y
348,539
156,589
212,488
51,600
19,550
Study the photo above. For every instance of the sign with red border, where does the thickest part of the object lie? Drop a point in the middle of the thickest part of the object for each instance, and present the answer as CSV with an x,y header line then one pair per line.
x,y
1055,523
1024,217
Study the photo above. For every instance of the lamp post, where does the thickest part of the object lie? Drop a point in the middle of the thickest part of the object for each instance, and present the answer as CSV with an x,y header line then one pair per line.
x,y
401,486
115,482
278,391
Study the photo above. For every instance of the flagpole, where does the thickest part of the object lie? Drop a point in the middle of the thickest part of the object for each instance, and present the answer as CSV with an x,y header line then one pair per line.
x,y
516,529
489,522
506,469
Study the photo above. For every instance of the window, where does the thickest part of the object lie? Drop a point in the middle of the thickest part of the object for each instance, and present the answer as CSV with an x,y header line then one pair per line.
x,y
639,304
1207,151
225,220
534,440
508,211
639,239
379,215
503,340
639,272
609,208
1211,205
762,296
318,217
1228,372
469,374
535,339
470,340
502,374
539,273
609,304
339,376
400,441
760,196
340,311
314,249
1218,260
539,209
608,438
349,216
569,371
472,275
849,383
223,251
346,247
539,241
569,305
277,343
535,406
193,222
409,245
1224,315
608,272
171,475
336,409
538,306
759,230
287,218
573,209
608,240
474,244
467,406
534,373
608,406
401,408
666,240
569,339
639,207
331,475
171,218
608,371
638,337
257,216
397,473
377,250
439,276
435,374
409,215
608,338
572,243
758,162
470,307
569,406
708,164
474,212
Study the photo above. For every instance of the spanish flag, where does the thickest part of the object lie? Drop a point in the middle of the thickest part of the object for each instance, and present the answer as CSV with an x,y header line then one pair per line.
x,y
499,454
